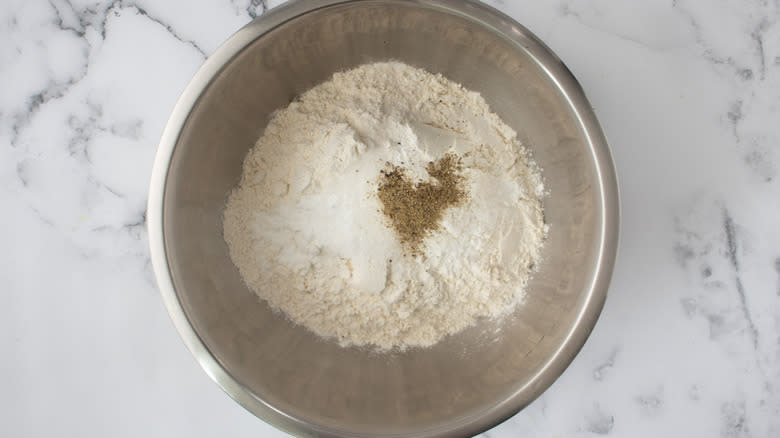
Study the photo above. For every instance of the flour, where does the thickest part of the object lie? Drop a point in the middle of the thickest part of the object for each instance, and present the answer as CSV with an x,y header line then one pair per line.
x,y
305,227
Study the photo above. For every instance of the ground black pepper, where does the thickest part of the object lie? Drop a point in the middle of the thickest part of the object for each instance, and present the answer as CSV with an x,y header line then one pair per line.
x,y
415,209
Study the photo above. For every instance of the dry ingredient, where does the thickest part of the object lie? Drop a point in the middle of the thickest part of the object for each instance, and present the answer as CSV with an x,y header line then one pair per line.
x,y
361,169
415,209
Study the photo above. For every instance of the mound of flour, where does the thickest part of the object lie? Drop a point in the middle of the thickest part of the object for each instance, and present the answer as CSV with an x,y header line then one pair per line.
x,y
305,226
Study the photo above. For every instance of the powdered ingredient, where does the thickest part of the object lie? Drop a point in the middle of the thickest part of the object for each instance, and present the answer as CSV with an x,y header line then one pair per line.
x,y
414,209
306,227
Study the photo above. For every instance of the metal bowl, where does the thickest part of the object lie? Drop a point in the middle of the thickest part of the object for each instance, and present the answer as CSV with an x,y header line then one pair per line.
x,y
282,373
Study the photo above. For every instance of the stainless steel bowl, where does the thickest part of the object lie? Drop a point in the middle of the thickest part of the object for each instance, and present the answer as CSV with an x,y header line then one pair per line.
x,y
285,375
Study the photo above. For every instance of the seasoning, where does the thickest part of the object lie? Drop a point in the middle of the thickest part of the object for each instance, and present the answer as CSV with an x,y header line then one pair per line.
x,y
415,209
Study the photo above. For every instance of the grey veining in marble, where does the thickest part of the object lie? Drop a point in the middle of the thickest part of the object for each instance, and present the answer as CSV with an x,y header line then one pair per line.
x,y
688,92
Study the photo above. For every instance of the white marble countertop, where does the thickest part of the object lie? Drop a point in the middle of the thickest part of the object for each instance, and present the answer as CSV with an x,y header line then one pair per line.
x,y
688,344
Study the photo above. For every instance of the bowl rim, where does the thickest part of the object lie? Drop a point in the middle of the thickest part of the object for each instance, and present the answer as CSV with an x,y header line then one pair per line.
x,y
567,84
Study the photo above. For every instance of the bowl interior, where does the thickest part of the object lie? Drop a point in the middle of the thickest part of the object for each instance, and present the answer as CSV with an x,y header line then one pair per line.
x,y
474,378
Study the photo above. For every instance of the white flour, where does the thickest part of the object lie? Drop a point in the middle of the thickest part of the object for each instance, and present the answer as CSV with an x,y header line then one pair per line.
x,y
305,227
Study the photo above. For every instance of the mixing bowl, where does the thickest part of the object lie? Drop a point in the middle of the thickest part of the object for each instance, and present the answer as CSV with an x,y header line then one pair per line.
x,y
307,386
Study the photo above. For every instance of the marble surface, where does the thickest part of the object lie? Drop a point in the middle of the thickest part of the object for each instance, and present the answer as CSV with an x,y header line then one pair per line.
x,y
689,342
